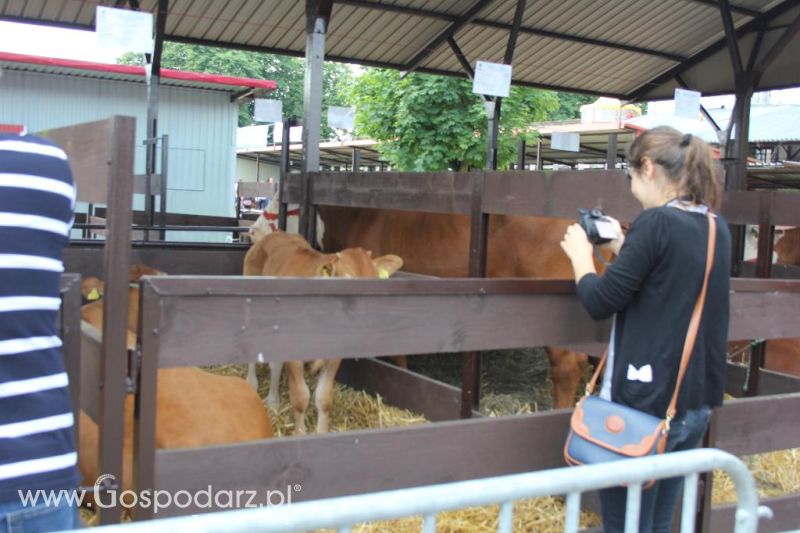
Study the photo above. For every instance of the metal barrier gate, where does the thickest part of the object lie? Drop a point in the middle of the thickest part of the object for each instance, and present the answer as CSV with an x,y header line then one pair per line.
x,y
344,512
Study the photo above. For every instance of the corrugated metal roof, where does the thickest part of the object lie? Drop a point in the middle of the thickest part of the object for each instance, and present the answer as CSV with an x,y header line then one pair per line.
x,y
625,48
87,69
768,123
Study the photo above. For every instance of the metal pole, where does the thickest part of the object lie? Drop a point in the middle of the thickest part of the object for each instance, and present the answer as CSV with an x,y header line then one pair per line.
x,y
521,146
356,166
539,162
317,17
611,154
153,80
492,108
163,190
284,172
150,148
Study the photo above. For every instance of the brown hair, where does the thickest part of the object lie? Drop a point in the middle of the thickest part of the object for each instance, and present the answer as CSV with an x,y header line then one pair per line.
x,y
686,160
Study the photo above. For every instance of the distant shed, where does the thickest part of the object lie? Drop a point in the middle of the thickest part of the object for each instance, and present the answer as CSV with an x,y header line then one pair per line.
x,y
199,113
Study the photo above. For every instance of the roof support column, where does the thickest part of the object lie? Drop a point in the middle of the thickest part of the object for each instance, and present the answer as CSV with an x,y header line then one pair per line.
x,y
153,78
611,153
318,13
285,170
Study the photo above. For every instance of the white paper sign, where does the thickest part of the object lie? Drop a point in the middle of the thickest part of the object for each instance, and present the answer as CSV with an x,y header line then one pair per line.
x,y
124,29
687,103
268,110
295,133
568,142
342,117
492,79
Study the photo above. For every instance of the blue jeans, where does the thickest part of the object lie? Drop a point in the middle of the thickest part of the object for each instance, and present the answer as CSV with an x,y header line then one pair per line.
x,y
17,518
659,502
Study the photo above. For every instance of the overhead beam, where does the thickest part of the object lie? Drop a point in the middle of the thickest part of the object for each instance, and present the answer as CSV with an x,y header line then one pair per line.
x,y
462,59
382,64
457,24
712,49
734,9
582,40
512,36
751,63
777,48
730,36
440,15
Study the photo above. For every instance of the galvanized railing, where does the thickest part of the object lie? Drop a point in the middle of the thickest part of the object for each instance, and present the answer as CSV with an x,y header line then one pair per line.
x,y
344,512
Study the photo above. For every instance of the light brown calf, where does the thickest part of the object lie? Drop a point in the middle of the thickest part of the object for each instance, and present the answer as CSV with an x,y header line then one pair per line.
x,y
284,254
193,407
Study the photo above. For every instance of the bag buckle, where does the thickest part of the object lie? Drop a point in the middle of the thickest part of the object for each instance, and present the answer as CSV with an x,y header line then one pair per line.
x,y
666,423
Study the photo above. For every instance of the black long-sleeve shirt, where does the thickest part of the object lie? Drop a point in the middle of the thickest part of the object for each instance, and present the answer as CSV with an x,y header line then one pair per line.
x,y
652,287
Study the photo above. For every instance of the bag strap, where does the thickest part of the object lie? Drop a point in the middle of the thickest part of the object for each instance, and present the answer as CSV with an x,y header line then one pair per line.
x,y
691,334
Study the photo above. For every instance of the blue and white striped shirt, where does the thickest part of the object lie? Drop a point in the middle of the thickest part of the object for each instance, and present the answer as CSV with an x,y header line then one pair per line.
x,y
37,199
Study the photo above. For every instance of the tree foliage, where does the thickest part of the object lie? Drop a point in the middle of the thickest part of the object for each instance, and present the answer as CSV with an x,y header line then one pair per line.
x,y
287,71
433,123
569,105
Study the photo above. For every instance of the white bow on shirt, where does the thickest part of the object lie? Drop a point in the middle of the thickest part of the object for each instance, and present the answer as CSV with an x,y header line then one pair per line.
x,y
644,374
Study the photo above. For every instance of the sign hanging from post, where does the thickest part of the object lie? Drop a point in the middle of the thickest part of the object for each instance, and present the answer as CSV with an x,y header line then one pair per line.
x,y
124,29
687,103
568,142
492,79
342,117
268,110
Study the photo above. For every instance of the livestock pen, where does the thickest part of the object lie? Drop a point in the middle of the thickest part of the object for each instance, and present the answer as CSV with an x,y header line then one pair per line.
x,y
203,320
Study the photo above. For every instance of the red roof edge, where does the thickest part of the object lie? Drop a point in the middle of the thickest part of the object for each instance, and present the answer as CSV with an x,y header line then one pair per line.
x,y
12,128
200,77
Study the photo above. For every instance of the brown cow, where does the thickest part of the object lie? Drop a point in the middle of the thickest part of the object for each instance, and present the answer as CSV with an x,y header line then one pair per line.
x,y
787,247
193,407
782,355
284,254
438,245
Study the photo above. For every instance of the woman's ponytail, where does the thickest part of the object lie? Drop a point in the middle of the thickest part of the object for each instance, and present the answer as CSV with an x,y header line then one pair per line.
x,y
686,160
699,179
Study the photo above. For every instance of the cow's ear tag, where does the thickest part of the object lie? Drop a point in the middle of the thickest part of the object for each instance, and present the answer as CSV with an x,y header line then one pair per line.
x,y
383,273
93,295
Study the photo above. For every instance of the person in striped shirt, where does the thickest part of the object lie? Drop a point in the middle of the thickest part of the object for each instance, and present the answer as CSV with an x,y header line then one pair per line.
x,y
37,444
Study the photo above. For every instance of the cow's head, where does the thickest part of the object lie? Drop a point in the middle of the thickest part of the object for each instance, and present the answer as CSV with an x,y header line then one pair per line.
x,y
787,248
785,251
358,263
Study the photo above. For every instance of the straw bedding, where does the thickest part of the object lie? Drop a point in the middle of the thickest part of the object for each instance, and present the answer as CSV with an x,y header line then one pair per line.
x,y
513,382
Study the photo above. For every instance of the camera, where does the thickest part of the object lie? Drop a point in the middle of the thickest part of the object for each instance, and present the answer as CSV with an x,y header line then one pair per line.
x,y
598,226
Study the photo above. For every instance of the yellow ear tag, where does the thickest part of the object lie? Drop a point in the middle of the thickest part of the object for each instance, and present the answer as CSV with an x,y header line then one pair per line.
x,y
93,295
383,273
325,273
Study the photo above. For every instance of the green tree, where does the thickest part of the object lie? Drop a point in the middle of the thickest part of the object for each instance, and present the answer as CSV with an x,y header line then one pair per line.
x,y
287,72
434,123
569,105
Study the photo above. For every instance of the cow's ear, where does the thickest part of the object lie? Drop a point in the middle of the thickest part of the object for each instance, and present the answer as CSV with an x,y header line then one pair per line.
x,y
387,265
